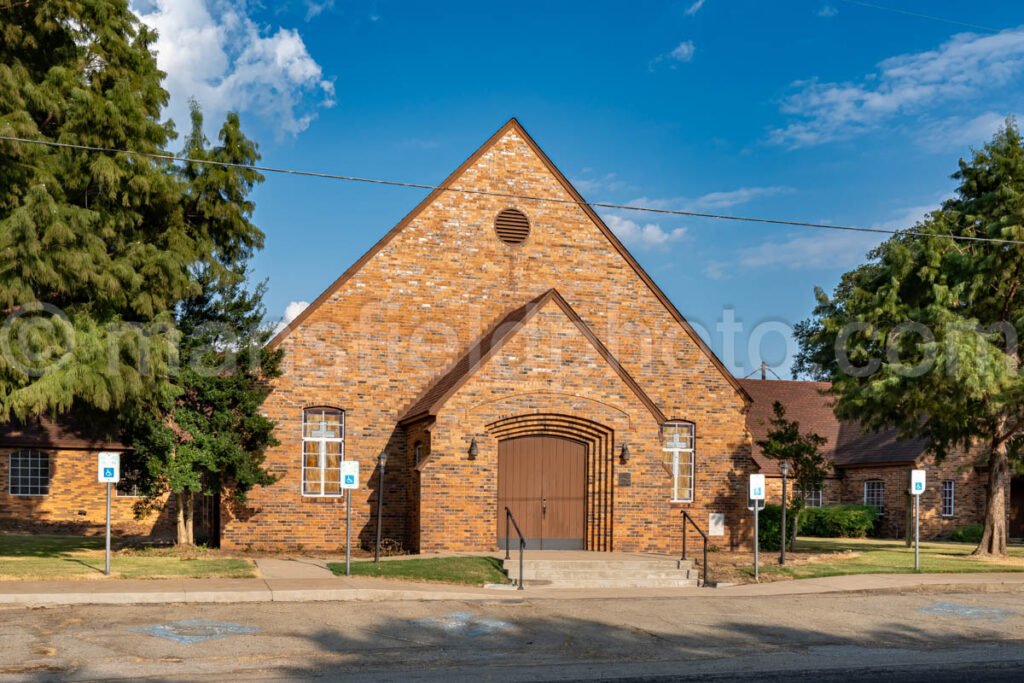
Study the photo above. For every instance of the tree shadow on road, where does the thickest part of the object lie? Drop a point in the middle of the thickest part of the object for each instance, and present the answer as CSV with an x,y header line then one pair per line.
x,y
457,641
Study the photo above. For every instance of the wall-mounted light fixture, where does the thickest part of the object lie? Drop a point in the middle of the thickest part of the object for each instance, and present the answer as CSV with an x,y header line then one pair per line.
x,y
624,453
474,450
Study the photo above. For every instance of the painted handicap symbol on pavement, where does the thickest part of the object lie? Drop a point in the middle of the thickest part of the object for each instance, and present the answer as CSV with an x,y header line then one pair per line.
x,y
465,624
195,630
957,610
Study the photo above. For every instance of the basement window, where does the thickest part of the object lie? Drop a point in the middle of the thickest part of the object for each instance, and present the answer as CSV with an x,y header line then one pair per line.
x,y
678,448
323,450
29,473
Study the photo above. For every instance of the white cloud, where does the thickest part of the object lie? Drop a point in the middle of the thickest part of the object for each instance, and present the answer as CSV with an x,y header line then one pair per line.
x,y
820,250
694,8
908,217
960,133
291,311
610,182
644,236
315,9
827,11
683,52
213,51
826,250
724,200
957,71
713,201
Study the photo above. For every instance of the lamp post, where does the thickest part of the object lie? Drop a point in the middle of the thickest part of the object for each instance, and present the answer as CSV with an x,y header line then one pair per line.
x,y
382,459
785,473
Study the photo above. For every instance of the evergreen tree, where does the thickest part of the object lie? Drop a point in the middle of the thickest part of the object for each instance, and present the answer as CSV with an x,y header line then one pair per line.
x,y
211,438
807,465
116,266
924,337
91,242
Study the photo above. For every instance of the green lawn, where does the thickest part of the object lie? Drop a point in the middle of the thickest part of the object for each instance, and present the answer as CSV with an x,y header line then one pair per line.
x,y
474,571
41,557
818,557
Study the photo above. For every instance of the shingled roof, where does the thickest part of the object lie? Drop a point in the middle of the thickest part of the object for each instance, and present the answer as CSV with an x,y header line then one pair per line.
x,y
65,432
808,403
431,400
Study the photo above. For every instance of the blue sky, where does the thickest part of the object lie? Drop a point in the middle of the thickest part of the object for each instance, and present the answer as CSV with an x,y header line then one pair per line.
x,y
830,112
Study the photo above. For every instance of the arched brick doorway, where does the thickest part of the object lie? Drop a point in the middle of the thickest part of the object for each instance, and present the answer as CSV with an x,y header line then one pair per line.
x,y
555,474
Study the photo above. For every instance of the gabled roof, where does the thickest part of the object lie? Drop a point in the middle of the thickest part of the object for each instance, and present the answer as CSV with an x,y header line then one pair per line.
x,y
848,445
65,432
431,400
514,125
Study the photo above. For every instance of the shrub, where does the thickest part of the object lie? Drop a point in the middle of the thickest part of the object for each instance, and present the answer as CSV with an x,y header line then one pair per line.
x,y
769,522
967,534
838,521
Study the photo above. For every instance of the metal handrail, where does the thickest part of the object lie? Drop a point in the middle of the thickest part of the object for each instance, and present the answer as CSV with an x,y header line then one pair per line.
x,y
522,545
688,518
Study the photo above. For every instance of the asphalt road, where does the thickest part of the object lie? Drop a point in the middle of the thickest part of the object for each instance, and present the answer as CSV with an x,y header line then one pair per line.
x,y
922,636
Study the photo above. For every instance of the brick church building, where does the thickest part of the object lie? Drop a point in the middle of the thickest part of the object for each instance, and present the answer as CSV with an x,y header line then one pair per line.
x,y
501,352
497,351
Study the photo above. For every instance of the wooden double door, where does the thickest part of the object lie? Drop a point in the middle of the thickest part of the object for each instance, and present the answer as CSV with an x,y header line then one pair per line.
x,y
542,480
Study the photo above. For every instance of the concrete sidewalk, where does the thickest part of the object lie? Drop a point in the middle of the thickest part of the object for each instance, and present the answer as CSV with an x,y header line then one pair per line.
x,y
330,588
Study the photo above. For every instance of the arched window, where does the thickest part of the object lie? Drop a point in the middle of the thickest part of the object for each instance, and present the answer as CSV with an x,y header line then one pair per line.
x,y
29,473
677,444
323,450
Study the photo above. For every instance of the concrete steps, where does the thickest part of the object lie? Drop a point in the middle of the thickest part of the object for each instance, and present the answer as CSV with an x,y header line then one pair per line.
x,y
604,570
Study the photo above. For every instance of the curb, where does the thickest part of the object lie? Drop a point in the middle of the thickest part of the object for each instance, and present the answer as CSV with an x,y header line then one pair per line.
x,y
228,597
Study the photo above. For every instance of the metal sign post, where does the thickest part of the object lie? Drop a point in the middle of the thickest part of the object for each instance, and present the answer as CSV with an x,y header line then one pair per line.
x,y
108,471
348,533
106,557
917,487
756,496
349,481
757,545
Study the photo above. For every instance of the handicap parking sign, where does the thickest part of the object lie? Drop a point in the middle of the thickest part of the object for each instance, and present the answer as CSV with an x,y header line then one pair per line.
x,y
917,482
108,467
350,474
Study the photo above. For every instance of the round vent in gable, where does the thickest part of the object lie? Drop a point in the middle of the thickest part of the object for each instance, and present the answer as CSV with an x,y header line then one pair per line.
x,y
512,226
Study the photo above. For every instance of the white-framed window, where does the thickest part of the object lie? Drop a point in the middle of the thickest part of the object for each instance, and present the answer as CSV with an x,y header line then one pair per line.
x,y
874,494
948,498
323,450
417,453
28,473
813,498
677,444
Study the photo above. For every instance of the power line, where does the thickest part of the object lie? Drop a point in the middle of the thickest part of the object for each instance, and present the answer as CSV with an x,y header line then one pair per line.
x,y
507,195
920,15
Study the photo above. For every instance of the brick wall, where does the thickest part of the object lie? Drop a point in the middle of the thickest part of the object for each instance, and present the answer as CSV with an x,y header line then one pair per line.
x,y
550,368
76,500
423,298
969,495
